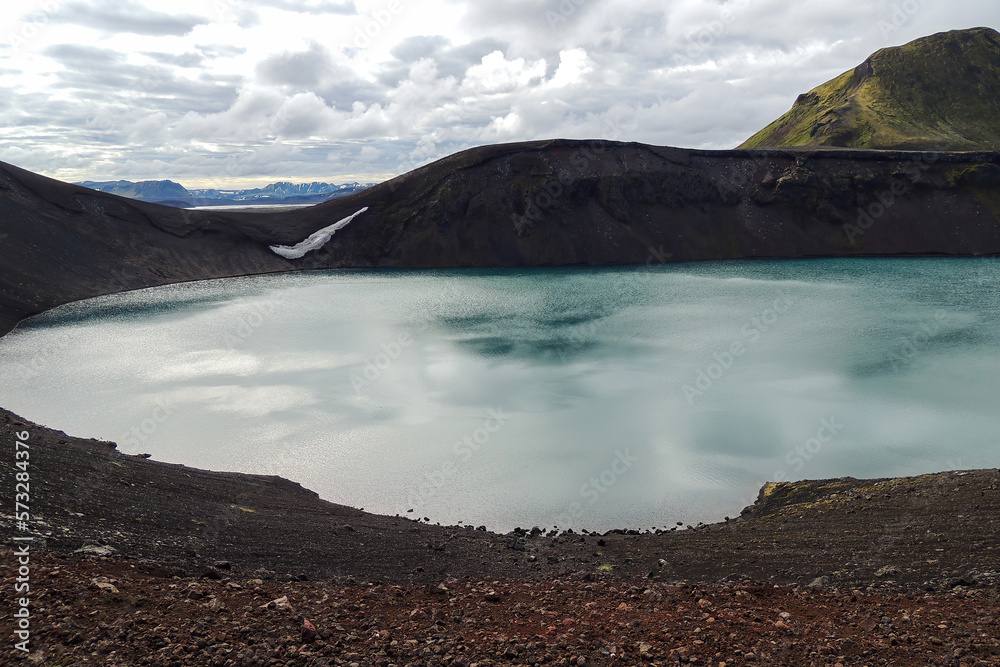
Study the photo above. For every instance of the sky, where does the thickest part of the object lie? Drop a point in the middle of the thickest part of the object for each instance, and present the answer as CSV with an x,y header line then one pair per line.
x,y
240,93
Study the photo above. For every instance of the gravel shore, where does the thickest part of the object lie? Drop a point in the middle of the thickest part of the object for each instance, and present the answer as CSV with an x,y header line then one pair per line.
x,y
134,561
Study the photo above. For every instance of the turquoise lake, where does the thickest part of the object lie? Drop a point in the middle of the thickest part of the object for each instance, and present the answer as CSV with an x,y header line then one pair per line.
x,y
632,397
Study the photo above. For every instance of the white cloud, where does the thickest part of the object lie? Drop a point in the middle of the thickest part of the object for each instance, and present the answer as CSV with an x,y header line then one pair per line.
x,y
496,74
279,89
573,67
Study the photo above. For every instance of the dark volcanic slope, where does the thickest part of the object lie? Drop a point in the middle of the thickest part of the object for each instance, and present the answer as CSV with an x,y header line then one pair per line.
x,y
541,203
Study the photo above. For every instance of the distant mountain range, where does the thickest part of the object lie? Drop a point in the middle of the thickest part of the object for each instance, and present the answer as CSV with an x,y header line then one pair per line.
x,y
940,92
175,194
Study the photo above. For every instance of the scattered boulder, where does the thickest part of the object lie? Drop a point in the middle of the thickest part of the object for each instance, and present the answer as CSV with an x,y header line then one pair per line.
x,y
278,604
95,550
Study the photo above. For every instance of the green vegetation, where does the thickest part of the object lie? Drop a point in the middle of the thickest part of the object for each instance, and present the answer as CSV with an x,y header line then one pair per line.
x,y
939,92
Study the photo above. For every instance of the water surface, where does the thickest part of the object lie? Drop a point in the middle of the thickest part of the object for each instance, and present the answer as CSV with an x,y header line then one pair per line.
x,y
585,398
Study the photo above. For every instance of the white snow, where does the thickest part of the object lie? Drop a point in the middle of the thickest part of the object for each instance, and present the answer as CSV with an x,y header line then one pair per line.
x,y
315,241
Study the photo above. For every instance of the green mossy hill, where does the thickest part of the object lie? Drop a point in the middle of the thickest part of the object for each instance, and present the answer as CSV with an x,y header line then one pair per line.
x,y
940,92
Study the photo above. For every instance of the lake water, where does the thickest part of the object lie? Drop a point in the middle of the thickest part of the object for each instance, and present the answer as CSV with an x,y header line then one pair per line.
x,y
584,398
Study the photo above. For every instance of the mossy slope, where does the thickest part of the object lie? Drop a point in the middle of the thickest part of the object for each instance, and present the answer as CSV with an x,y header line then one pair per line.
x,y
939,92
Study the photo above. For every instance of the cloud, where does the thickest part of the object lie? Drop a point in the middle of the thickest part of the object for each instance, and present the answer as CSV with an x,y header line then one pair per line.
x,y
495,74
315,70
296,68
450,60
186,60
126,16
312,6
104,77
213,51
228,95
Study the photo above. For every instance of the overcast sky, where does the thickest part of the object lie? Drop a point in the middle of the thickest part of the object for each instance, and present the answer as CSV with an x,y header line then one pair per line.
x,y
246,92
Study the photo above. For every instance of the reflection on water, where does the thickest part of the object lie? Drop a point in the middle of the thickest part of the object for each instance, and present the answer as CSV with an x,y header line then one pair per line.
x,y
585,398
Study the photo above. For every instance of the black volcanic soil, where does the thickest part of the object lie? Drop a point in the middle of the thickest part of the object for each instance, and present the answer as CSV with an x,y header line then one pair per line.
x,y
836,555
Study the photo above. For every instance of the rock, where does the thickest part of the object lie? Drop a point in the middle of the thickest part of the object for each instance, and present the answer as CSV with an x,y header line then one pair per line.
x,y
95,550
103,584
661,563
516,544
492,596
886,571
211,573
819,583
222,564
308,631
278,604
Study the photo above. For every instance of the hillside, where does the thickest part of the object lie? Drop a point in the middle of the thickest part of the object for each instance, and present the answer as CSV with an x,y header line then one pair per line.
x,y
940,92
543,203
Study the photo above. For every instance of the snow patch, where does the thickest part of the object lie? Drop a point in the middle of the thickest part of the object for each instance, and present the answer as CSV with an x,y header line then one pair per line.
x,y
315,241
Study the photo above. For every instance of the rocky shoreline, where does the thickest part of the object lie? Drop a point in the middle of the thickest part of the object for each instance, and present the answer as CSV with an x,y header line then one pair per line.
x,y
121,540
903,534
